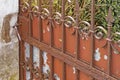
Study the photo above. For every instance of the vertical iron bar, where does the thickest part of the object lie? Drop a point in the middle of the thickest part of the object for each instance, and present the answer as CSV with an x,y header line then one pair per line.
x,y
21,60
77,36
110,20
30,34
109,50
109,53
92,31
40,20
51,39
20,49
51,21
40,39
30,18
63,27
63,39
41,64
51,68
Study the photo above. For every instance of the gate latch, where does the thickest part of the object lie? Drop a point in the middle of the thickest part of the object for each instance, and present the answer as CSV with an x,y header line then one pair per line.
x,y
17,32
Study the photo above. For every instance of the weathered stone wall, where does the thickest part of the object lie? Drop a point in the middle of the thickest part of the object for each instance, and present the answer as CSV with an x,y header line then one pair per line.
x,y
9,68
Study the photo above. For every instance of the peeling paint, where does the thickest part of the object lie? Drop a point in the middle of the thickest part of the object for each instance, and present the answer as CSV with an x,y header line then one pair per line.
x,y
48,29
84,47
27,75
27,50
36,57
97,56
74,70
56,77
27,55
46,67
105,57
60,40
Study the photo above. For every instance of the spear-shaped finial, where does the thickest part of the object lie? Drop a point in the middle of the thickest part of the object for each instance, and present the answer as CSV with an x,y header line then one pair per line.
x,y
109,17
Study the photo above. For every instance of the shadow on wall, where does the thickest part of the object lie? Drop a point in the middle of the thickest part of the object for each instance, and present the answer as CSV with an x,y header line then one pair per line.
x,y
5,32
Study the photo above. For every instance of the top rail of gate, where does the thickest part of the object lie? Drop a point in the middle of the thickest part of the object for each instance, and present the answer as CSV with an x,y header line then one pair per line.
x,y
98,17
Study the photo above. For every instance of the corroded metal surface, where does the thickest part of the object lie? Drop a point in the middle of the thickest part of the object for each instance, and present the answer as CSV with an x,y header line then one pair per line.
x,y
79,48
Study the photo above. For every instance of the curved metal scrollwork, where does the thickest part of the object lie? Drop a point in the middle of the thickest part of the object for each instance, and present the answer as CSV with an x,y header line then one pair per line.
x,y
45,13
26,64
84,29
57,18
35,10
36,73
100,32
69,21
24,7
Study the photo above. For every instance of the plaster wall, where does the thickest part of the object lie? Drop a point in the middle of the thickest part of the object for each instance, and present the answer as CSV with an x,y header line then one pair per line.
x,y
9,68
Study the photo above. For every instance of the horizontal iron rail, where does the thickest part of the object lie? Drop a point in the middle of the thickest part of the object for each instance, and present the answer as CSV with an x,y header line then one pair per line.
x,y
80,65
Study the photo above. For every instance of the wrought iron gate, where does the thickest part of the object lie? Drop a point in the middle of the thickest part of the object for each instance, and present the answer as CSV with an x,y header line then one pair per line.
x,y
54,46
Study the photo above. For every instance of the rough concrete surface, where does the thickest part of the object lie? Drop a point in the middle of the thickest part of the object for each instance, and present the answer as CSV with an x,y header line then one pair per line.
x,y
9,69
9,61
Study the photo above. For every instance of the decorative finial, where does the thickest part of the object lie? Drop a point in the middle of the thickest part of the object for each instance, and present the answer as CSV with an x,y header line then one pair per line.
x,y
109,17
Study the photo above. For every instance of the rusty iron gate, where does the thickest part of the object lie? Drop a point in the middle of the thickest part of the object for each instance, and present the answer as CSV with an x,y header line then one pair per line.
x,y
53,46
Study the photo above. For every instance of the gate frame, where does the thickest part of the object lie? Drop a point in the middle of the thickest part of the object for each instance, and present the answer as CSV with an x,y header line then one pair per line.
x,y
62,55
